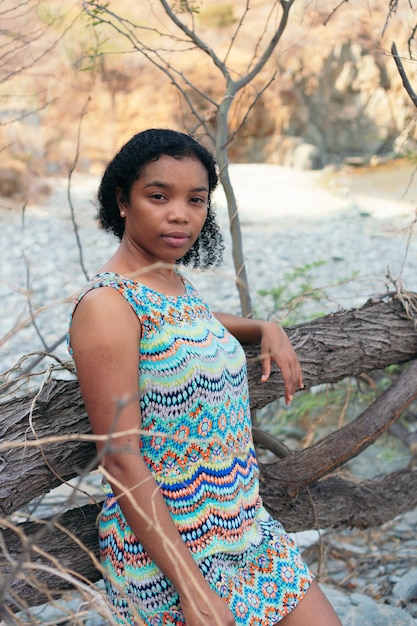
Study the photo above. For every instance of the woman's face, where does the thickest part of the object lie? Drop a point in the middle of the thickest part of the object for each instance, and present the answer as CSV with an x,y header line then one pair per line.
x,y
167,208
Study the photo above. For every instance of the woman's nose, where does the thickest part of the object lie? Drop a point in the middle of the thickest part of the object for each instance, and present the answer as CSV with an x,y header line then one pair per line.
x,y
178,212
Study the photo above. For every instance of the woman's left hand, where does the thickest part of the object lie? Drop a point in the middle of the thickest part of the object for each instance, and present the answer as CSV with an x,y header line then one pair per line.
x,y
275,346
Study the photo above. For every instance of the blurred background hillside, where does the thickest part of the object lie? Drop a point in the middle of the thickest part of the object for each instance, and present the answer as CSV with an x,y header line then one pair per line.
x,y
72,91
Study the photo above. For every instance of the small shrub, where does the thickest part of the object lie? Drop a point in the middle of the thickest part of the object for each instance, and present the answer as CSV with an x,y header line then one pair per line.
x,y
290,297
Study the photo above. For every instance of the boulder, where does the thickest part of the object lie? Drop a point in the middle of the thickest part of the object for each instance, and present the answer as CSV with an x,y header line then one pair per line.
x,y
14,178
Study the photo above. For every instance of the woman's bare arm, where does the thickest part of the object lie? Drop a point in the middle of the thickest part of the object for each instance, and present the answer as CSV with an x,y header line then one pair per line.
x,y
105,338
275,346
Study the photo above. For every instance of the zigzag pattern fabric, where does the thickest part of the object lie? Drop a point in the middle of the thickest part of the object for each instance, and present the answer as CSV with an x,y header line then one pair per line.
x,y
198,444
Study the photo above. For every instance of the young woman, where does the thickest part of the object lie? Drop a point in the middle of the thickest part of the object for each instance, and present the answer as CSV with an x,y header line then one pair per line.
x,y
184,538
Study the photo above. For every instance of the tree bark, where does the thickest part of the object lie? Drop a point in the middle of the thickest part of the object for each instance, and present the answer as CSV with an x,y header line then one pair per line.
x,y
302,468
342,501
40,447
67,544
330,348
28,471
343,344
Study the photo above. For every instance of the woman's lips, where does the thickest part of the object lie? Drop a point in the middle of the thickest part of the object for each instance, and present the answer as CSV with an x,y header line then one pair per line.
x,y
176,239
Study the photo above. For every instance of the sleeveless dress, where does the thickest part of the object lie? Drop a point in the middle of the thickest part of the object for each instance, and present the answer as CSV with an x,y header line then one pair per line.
x,y
195,408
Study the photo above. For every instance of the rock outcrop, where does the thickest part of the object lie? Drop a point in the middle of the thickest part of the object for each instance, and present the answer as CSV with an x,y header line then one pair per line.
x,y
335,94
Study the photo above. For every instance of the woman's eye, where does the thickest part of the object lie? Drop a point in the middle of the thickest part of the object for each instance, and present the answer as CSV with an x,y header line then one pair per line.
x,y
158,196
198,200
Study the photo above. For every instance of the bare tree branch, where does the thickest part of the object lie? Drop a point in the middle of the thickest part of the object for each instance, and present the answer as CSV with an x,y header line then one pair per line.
x,y
70,203
329,17
404,77
29,299
266,55
297,471
410,39
192,36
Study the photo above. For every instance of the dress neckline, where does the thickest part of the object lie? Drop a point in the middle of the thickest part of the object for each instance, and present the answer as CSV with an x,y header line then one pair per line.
x,y
137,282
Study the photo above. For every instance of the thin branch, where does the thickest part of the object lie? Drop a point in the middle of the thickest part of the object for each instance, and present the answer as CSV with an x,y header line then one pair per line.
x,y
244,80
74,164
31,311
124,28
235,34
258,95
410,39
26,322
32,61
393,6
260,38
404,77
329,17
27,372
23,115
192,36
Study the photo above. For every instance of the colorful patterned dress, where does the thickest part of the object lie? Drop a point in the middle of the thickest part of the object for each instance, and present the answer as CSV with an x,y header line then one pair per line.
x,y
195,407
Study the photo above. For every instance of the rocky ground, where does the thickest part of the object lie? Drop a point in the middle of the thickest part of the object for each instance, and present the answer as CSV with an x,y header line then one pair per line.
x,y
370,576
356,230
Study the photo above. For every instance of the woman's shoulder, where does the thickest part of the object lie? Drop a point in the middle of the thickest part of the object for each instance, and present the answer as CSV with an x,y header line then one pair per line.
x,y
102,294
113,292
101,315
105,279
115,281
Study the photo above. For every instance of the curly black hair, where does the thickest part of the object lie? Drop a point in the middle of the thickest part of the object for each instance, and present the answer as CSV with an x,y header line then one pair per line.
x,y
126,167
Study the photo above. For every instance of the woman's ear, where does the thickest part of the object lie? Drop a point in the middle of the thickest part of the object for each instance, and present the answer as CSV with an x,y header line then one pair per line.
x,y
121,201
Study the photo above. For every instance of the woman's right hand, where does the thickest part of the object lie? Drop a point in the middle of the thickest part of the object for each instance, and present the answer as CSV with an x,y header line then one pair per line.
x,y
205,608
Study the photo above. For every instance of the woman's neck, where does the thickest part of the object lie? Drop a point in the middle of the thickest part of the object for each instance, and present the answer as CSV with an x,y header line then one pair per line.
x,y
160,276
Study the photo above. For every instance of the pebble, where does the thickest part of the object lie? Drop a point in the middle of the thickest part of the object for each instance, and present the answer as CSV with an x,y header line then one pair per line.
x,y
289,220
405,589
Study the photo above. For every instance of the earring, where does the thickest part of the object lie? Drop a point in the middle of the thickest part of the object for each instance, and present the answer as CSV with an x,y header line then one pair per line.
x,y
123,214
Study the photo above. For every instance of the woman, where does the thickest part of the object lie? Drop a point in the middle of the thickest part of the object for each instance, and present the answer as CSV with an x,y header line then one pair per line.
x,y
184,538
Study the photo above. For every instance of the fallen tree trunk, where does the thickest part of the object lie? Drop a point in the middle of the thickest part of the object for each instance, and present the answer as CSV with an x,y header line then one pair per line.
x,y
344,344
329,349
45,558
304,467
73,542
41,446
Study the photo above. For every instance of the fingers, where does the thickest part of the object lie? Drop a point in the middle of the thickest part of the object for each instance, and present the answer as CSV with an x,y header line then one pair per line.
x,y
290,370
290,385
293,382
275,346
266,368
